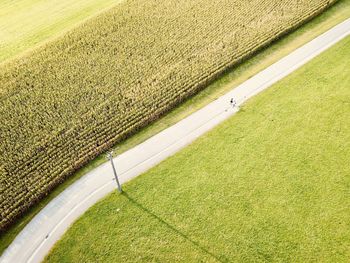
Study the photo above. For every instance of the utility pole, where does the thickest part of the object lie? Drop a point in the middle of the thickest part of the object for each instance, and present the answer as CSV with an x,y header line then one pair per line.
x,y
110,157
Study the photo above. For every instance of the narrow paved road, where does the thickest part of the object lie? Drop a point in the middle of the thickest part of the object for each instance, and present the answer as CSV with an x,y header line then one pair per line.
x,y
36,239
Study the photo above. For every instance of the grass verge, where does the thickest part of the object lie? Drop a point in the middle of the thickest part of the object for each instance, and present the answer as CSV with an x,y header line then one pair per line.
x,y
331,17
270,184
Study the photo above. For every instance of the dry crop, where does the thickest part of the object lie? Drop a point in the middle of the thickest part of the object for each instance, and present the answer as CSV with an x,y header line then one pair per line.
x,y
67,102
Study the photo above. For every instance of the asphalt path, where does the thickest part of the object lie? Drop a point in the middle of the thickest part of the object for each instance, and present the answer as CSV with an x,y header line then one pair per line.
x,y
41,233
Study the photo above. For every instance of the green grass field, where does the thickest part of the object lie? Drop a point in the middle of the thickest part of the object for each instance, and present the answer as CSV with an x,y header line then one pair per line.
x,y
333,16
26,23
271,184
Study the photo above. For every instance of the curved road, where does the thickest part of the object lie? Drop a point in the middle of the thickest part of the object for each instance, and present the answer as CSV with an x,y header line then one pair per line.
x,y
36,239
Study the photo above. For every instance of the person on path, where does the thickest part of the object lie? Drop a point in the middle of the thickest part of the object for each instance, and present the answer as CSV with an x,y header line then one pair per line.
x,y
233,103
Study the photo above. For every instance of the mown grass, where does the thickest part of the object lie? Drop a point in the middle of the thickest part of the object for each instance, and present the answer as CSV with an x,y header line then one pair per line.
x,y
336,14
270,184
26,23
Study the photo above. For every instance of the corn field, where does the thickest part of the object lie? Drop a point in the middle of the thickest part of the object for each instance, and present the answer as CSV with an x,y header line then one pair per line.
x,y
73,98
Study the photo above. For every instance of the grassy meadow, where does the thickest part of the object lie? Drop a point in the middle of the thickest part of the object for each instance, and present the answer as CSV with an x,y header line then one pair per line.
x,y
271,184
26,23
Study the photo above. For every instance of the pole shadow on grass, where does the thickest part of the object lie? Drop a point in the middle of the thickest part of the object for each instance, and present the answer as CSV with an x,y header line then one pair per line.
x,y
149,212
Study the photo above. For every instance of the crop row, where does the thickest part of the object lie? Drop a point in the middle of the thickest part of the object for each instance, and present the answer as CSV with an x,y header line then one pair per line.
x,y
66,102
